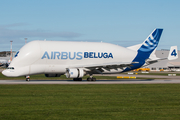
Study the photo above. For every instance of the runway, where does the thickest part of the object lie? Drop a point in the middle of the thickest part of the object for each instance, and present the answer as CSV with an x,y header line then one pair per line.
x,y
126,81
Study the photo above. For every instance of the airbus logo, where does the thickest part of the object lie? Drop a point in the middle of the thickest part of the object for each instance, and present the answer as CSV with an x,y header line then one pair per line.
x,y
75,55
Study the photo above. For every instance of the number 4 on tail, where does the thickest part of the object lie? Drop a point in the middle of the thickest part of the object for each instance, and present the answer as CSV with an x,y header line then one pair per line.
x,y
174,53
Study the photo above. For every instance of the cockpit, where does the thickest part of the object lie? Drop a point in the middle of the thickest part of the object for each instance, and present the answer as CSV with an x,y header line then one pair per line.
x,y
12,68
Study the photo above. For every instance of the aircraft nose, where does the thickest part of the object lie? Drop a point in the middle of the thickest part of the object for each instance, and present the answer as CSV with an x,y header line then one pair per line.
x,y
4,72
7,73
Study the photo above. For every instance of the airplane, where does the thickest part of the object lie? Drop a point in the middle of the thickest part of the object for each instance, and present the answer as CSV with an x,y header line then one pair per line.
x,y
77,59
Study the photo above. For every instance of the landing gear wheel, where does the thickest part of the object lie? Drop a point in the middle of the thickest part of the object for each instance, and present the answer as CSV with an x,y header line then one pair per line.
x,y
91,79
88,79
27,79
77,79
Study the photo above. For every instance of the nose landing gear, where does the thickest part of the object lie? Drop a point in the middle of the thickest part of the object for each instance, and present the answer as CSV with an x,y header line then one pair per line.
x,y
27,78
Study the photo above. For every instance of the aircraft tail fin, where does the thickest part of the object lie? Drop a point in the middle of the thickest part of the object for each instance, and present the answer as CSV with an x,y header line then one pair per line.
x,y
173,53
151,41
145,49
149,45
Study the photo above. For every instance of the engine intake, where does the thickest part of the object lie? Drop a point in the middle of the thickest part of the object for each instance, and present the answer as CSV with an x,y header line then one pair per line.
x,y
75,73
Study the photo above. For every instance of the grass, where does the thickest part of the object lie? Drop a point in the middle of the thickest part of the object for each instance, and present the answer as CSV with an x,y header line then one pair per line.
x,y
94,102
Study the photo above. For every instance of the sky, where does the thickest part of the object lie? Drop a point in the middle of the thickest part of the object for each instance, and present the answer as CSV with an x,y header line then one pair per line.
x,y
121,22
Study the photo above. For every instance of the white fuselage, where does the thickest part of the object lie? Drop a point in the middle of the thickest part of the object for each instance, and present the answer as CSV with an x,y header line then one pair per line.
x,y
47,57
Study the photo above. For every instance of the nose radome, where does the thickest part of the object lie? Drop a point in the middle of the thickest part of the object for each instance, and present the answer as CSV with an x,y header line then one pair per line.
x,y
7,73
4,72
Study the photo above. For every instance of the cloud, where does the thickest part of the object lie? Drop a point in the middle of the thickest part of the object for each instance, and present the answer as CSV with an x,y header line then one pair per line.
x,y
7,33
13,32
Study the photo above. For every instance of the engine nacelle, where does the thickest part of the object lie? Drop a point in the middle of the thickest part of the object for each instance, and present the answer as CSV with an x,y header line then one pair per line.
x,y
75,73
52,75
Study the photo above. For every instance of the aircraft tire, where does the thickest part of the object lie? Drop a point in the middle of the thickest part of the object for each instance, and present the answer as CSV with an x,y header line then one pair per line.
x,y
27,79
93,79
88,79
74,79
77,79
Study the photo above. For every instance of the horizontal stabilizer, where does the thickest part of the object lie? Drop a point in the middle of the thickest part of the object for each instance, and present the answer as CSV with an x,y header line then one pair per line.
x,y
173,54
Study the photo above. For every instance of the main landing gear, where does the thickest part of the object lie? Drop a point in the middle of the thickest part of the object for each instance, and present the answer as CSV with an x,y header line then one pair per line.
x,y
77,79
27,78
91,78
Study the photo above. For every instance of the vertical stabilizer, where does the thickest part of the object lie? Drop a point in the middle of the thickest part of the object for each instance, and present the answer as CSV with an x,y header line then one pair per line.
x,y
151,41
173,53
148,46
145,49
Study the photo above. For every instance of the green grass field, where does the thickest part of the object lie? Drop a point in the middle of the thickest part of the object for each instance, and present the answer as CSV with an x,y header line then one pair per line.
x,y
95,102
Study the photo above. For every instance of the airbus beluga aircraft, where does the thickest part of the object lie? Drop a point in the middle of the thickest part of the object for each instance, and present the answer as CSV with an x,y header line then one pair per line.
x,y
76,59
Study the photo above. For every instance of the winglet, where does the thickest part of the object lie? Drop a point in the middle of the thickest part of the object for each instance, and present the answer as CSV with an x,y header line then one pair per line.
x,y
173,53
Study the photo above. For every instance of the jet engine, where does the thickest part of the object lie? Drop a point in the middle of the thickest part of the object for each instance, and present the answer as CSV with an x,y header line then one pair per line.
x,y
75,73
52,75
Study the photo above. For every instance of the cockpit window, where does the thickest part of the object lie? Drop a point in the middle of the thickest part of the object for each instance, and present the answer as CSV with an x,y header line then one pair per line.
x,y
12,68
16,54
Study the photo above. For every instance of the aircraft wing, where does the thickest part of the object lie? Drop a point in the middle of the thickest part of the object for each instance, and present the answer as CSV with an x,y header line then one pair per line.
x,y
99,68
